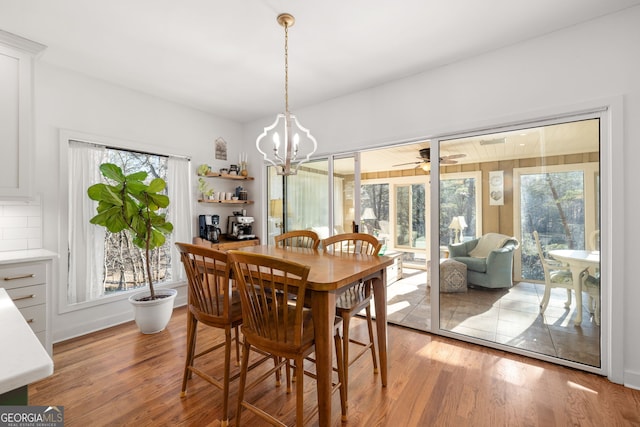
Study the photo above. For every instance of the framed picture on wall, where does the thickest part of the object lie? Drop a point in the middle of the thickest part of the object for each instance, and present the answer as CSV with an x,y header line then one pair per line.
x,y
221,149
496,188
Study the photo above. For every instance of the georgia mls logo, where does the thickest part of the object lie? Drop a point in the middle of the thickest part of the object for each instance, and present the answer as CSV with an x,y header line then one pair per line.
x,y
53,408
31,416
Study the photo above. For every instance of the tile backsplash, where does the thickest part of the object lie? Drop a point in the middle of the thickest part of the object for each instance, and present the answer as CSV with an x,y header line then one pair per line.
x,y
20,225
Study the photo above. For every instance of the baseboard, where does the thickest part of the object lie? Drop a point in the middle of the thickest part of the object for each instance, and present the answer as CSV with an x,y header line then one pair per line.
x,y
103,323
632,379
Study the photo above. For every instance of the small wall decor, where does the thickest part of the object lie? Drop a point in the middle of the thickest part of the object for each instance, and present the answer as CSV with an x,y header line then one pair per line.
x,y
496,188
221,149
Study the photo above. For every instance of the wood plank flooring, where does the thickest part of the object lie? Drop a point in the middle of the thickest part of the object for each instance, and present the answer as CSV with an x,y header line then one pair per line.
x,y
119,377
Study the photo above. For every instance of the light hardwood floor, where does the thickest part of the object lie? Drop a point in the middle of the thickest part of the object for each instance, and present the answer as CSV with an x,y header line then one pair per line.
x,y
119,377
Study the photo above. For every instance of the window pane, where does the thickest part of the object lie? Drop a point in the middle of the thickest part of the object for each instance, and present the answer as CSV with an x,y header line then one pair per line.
x,y
553,205
402,216
375,210
418,230
457,199
123,261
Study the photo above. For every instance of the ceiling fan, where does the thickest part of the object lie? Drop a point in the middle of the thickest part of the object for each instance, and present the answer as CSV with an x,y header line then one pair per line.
x,y
425,159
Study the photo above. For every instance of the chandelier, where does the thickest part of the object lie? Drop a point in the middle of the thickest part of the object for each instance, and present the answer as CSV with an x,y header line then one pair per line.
x,y
286,144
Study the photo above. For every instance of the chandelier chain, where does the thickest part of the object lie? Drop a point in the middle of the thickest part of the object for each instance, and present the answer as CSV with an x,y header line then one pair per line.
x,y
286,68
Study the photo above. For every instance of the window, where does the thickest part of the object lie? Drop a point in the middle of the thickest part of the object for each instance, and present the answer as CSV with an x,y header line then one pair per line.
x,y
101,263
458,199
410,216
374,202
553,203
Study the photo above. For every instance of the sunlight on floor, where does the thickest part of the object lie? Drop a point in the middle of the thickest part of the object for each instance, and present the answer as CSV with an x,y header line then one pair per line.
x,y
580,387
392,308
506,316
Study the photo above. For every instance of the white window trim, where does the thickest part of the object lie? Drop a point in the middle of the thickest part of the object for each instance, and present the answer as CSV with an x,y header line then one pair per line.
x,y
63,245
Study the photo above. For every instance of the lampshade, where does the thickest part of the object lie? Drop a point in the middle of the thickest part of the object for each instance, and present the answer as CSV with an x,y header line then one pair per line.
x,y
426,166
275,208
286,144
463,223
368,214
455,223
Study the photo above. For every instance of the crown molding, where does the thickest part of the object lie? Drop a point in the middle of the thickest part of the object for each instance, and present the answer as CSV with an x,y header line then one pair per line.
x,y
21,43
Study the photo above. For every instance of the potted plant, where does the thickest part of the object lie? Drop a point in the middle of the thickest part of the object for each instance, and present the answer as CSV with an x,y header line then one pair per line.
x,y
203,187
127,203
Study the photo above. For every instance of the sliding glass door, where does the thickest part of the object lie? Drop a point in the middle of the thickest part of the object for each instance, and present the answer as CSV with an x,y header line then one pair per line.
x,y
322,197
541,179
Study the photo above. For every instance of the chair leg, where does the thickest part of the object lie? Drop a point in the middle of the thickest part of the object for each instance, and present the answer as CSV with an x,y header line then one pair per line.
x,y
192,325
237,346
567,304
596,310
299,391
340,362
345,352
545,299
288,374
227,374
244,365
373,343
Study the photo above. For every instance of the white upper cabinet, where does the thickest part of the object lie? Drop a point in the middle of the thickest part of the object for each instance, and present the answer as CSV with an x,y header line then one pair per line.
x,y
16,114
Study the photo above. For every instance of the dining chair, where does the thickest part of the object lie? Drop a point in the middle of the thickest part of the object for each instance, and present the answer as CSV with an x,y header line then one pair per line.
x,y
280,325
556,275
213,303
355,298
298,239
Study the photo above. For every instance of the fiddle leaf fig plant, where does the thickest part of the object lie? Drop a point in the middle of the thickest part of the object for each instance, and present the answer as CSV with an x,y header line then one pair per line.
x,y
125,202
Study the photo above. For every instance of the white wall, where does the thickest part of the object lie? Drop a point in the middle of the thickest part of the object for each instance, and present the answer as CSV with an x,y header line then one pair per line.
x,y
560,72
66,100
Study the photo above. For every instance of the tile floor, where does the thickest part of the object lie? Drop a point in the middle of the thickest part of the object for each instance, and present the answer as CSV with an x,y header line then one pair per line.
x,y
508,316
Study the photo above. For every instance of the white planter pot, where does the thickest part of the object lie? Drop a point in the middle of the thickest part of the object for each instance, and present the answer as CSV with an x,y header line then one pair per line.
x,y
153,316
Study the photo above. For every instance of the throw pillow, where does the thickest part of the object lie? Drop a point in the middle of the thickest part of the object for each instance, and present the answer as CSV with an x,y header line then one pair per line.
x,y
487,243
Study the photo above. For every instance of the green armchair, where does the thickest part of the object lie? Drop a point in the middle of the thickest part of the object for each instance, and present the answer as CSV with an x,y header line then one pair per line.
x,y
489,259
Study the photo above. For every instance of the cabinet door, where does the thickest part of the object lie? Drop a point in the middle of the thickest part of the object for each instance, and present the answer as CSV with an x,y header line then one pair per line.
x,y
15,122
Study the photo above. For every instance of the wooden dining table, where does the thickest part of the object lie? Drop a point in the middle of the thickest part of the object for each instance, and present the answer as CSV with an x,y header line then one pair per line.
x,y
329,275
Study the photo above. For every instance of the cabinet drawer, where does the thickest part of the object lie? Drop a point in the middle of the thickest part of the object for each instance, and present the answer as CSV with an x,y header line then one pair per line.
x,y
35,317
28,295
18,275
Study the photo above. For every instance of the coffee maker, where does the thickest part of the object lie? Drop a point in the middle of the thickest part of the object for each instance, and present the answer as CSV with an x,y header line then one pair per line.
x,y
239,227
209,227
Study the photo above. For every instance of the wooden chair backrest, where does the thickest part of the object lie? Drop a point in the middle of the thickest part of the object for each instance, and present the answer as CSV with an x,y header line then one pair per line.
x,y
298,239
272,298
355,243
208,275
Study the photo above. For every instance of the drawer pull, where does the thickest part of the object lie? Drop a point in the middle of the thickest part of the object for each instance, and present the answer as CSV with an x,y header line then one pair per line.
x,y
30,320
24,297
26,276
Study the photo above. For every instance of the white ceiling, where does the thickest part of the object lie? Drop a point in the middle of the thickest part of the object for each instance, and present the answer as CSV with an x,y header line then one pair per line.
x,y
227,57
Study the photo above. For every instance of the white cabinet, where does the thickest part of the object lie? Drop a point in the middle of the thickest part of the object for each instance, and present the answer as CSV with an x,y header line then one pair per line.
x,y
27,285
16,113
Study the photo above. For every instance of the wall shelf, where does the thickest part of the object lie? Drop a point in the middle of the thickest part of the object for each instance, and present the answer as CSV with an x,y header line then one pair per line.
x,y
227,176
227,202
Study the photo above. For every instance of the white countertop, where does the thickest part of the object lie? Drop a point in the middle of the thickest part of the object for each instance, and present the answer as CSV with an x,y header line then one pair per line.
x,y
26,255
23,359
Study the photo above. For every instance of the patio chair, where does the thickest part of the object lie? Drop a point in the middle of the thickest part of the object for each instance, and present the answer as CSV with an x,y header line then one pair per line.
x,y
556,275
